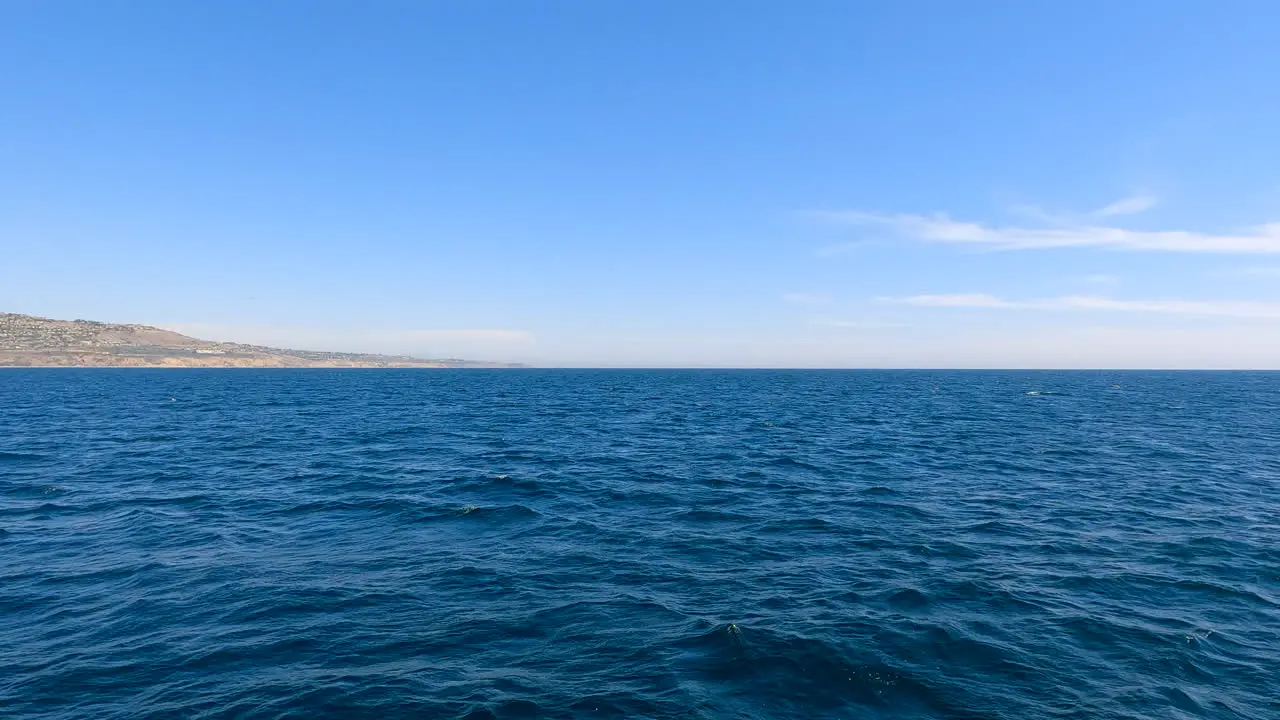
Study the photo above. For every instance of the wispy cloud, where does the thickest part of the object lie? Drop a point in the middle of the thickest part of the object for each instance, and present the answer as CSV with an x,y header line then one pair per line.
x,y
964,300
1203,308
1040,215
1262,240
1128,206
803,298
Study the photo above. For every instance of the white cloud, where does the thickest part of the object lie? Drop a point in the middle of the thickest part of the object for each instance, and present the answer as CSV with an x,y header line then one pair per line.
x,y
1203,308
971,300
1039,214
1128,206
942,229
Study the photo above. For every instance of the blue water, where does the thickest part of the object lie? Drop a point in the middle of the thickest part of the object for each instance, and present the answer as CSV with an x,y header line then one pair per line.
x,y
639,544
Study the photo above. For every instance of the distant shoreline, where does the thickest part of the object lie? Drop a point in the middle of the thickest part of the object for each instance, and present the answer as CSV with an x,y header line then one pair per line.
x,y
513,366
31,341
267,367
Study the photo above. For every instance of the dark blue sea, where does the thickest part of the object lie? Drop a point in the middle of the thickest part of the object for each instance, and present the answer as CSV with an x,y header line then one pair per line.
x,y
639,544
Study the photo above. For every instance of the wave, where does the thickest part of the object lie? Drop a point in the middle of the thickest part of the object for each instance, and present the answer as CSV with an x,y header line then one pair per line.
x,y
635,544
785,672
497,514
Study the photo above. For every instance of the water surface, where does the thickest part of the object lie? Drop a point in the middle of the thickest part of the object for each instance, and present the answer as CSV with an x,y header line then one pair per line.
x,y
639,544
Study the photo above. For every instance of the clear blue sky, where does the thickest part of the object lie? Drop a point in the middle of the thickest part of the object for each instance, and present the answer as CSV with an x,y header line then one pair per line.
x,y
1013,183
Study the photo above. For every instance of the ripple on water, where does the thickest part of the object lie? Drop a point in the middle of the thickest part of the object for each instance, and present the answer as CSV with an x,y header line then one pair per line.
x,y
635,544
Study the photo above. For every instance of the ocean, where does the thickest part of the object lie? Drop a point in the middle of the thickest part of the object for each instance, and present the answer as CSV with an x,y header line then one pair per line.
x,y
639,544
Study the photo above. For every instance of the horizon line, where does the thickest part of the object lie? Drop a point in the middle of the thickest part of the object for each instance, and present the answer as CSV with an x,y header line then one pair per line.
x,y
706,368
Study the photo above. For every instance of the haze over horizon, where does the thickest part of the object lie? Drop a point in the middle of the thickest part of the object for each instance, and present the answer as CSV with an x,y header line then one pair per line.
x,y
913,184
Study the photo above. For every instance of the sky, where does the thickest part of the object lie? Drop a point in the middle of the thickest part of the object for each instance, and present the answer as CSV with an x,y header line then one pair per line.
x,y
999,183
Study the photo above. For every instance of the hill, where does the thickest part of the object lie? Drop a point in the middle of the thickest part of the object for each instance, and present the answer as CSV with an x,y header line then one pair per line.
x,y
29,341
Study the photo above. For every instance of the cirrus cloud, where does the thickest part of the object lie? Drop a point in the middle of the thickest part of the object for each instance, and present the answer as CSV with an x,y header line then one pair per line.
x,y
1203,308
1128,206
940,228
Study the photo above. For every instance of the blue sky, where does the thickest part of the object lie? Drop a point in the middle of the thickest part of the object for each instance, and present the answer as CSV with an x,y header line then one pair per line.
x,y
939,184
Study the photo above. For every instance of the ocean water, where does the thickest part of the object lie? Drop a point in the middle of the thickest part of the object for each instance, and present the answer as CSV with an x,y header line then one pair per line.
x,y
639,544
